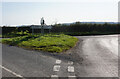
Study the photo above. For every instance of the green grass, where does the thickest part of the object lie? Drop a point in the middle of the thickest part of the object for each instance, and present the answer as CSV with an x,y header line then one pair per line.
x,y
0,35
48,42
15,34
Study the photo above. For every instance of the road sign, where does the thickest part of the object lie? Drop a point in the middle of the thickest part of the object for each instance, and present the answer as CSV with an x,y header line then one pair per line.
x,y
42,26
42,21
39,27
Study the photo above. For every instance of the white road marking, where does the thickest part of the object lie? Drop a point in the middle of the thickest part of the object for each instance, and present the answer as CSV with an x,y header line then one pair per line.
x,y
72,76
12,72
58,61
70,69
70,62
54,75
56,68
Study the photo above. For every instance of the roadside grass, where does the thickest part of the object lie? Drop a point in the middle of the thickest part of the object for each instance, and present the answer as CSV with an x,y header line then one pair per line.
x,y
0,35
15,34
48,42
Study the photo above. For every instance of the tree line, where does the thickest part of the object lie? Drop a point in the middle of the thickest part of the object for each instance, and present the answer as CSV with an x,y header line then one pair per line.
x,y
71,29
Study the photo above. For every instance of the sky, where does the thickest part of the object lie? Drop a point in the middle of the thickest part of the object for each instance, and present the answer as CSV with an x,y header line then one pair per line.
x,y
28,13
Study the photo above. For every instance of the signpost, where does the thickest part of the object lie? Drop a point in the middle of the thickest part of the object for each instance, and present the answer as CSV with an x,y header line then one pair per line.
x,y
42,25
32,30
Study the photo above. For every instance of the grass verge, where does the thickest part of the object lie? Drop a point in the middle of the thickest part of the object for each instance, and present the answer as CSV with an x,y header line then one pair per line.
x,y
48,42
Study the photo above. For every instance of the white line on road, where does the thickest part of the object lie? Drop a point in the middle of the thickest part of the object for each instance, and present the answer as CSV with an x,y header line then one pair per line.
x,y
56,68
54,75
70,62
12,72
70,69
71,77
58,61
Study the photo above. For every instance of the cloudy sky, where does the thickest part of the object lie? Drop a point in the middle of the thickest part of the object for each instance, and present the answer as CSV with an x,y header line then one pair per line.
x,y
18,12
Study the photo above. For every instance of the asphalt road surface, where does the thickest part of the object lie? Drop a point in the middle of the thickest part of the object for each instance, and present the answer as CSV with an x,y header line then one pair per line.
x,y
93,56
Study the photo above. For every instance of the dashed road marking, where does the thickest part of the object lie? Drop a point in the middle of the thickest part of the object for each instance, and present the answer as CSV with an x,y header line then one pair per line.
x,y
56,68
72,76
58,61
54,75
70,62
70,69
17,75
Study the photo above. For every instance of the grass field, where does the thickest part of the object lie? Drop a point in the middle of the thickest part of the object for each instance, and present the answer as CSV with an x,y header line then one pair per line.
x,y
48,42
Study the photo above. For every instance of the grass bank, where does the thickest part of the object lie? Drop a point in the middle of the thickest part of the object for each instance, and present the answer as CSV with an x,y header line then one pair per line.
x,y
48,42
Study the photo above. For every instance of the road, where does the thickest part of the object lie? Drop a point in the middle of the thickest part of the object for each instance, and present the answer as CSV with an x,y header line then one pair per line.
x,y
93,56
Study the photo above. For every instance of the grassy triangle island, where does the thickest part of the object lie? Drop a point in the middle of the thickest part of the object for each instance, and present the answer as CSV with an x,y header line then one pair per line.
x,y
47,42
